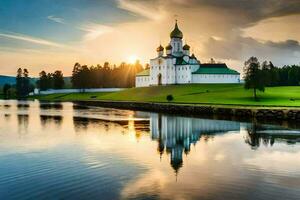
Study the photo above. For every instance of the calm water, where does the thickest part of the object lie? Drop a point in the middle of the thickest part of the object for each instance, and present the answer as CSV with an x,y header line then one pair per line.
x,y
63,151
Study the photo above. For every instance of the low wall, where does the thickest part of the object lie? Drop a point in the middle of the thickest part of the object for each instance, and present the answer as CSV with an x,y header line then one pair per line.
x,y
258,113
77,90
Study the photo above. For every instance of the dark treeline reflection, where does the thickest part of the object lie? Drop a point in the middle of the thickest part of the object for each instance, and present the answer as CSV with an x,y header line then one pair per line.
x,y
23,121
175,135
258,135
49,119
83,123
23,105
58,106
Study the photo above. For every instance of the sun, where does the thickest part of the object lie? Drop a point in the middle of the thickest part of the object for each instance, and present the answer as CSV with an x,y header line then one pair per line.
x,y
132,59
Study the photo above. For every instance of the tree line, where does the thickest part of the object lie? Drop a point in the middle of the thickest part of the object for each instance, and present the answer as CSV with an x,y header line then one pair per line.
x,y
258,75
22,87
50,80
106,76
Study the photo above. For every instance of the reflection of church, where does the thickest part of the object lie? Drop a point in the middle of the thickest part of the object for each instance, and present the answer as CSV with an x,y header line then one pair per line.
x,y
176,134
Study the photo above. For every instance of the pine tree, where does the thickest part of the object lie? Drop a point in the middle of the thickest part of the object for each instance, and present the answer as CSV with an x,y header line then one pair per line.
x,y
254,76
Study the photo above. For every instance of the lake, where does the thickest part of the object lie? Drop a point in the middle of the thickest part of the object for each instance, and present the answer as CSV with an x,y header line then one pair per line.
x,y
66,151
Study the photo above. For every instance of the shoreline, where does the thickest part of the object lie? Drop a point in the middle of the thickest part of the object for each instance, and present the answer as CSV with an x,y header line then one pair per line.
x,y
276,113
290,113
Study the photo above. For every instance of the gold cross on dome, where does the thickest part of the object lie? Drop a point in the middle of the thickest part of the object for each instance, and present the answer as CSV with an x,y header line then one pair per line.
x,y
176,16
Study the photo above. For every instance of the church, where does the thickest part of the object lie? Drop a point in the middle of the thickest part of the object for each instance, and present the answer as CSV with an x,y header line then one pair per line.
x,y
175,65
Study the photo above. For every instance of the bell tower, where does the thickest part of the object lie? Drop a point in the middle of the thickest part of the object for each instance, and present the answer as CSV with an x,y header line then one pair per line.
x,y
176,41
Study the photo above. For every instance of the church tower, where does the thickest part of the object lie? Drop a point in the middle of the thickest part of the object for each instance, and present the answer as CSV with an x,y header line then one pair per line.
x,y
176,41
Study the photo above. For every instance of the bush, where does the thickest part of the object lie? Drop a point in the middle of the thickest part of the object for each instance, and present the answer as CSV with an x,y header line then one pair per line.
x,y
170,97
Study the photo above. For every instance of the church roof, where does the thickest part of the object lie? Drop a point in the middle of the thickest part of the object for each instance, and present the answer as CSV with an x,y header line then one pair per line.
x,y
181,61
160,48
186,47
169,47
176,33
146,72
215,68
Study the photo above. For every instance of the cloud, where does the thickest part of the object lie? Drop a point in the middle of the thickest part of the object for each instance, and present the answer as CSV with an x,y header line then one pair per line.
x,y
251,10
227,30
56,19
288,44
94,30
241,48
276,162
148,9
31,39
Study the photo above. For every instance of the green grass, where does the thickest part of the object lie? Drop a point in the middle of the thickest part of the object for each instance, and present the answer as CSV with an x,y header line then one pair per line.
x,y
72,96
217,94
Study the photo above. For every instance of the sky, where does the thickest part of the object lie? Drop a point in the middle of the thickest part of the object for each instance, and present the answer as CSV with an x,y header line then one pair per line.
x,y
54,34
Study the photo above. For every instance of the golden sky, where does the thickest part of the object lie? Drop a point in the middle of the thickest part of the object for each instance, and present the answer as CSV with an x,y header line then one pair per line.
x,y
43,35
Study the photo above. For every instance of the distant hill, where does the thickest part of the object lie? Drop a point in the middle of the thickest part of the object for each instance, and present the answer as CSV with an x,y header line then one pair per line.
x,y
7,79
12,80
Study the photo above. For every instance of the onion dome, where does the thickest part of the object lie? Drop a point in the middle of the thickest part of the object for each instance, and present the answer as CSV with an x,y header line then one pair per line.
x,y
176,33
186,47
169,47
160,48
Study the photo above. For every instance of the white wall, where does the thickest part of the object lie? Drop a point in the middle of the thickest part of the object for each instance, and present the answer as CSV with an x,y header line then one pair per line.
x,y
142,81
183,74
165,68
215,78
36,91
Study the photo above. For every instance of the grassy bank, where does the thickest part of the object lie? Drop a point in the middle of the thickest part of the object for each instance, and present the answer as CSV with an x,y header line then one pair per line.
x,y
222,94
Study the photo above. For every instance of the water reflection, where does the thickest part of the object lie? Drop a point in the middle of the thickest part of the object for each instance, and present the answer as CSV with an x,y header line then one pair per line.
x,y
23,120
22,105
74,152
49,120
175,135
267,135
58,106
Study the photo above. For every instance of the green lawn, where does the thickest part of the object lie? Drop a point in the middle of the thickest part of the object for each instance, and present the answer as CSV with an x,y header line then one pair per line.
x,y
225,94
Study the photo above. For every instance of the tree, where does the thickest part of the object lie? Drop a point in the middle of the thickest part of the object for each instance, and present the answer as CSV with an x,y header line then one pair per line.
x,y
170,97
265,67
43,81
75,79
26,83
19,80
58,80
6,91
254,76
274,77
23,85
293,75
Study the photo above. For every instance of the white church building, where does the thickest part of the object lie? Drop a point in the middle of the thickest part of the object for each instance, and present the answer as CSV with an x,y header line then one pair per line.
x,y
175,65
